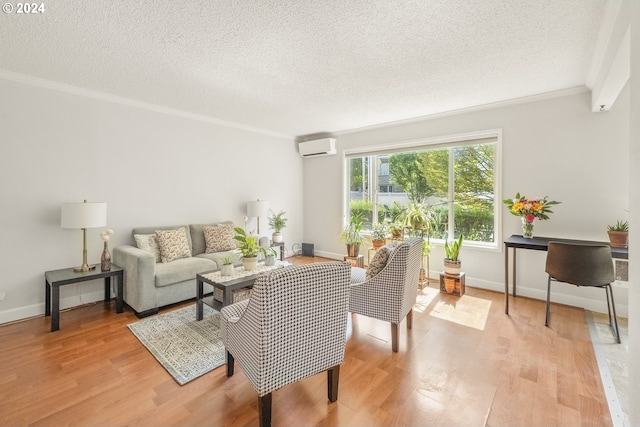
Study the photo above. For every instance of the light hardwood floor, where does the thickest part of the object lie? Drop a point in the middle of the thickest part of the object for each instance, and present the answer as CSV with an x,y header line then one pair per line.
x,y
464,363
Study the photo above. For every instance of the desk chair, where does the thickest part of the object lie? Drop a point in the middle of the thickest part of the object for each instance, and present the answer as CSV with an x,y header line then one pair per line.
x,y
582,265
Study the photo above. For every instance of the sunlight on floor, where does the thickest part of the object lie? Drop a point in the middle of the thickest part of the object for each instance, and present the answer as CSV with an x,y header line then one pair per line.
x,y
466,310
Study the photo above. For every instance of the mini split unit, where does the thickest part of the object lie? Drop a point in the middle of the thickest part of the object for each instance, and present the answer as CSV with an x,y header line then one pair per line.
x,y
318,147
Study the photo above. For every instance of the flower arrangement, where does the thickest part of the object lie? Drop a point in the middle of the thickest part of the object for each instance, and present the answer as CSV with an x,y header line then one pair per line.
x,y
529,210
105,234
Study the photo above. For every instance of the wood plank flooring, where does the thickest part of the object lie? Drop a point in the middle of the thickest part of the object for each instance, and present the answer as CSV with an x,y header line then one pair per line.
x,y
464,363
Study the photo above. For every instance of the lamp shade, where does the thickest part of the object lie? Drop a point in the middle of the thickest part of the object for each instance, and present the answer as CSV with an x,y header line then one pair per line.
x,y
258,208
83,215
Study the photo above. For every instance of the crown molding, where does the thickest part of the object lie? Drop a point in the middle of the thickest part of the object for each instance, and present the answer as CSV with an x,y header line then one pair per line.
x,y
102,96
499,104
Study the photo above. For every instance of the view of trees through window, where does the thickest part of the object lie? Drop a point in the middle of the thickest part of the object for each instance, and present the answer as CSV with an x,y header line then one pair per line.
x,y
455,184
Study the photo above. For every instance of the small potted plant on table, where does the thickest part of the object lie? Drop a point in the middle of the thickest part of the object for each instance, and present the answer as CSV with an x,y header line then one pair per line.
x,y
618,234
227,267
378,234
352,235
249,248
452,263
277,222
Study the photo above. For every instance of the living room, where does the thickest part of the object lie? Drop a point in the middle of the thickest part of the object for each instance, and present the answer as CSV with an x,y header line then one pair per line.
x,y
158,164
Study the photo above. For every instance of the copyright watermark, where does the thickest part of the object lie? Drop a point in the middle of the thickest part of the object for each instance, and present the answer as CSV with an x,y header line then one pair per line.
x,y
23,8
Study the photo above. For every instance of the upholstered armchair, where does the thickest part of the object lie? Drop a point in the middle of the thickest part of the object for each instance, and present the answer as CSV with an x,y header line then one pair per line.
x,y
293,326
391,292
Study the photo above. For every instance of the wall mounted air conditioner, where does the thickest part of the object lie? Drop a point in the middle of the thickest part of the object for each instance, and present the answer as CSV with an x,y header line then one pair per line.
x,y
318,147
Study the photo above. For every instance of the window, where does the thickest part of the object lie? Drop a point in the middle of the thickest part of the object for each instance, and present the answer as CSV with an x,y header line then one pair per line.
x,y
455,179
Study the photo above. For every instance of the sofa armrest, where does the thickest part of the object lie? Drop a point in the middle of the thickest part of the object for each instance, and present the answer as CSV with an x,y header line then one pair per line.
x,y
139,276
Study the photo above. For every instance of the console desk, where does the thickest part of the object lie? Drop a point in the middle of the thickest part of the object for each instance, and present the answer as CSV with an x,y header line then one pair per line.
x,y
540,244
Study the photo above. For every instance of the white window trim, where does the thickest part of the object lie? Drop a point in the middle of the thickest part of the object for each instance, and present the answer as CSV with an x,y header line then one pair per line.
x,y
444,141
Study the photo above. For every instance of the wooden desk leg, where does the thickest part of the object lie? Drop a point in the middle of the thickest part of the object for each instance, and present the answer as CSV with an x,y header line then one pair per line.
x,y
55,308
200,295
506,280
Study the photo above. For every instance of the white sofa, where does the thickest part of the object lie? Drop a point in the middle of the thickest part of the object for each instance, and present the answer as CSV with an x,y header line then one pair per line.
x,y
149,284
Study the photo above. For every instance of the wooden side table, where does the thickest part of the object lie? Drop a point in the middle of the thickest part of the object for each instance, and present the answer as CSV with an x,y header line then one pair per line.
x,y
356,261
457,280
56,278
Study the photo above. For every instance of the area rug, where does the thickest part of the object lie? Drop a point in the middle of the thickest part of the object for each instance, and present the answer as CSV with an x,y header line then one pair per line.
x,y
185,347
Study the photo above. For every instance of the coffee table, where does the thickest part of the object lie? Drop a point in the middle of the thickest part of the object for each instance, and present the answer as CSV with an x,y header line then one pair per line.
x,y
227,284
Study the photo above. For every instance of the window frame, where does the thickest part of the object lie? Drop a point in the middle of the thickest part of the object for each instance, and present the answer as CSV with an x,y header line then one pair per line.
x,y
447,141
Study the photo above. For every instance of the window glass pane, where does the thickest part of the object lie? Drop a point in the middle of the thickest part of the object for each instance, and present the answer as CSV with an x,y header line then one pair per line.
x,y
474,192
454,182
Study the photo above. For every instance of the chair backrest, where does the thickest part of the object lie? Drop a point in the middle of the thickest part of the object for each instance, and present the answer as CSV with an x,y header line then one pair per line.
x,y
300,317
391,293
582,265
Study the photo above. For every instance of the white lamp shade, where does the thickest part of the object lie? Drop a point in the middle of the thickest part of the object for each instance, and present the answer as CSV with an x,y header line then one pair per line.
x,y
259,208
84,215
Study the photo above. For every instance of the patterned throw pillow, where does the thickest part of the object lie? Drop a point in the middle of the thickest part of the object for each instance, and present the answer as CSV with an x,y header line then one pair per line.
x,y
379,261
149,243
219,237
173,244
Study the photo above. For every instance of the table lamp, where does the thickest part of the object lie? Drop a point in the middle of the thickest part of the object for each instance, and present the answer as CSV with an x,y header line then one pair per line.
x,y
257,209
84,215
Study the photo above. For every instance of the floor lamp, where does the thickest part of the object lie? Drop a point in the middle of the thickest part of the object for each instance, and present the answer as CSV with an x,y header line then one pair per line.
x,y
84,215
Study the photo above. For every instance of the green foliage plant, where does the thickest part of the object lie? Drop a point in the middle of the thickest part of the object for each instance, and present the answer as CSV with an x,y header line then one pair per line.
x,y
277,222
248,245
352,232
379,231
227,261
619,226
452,251
418,217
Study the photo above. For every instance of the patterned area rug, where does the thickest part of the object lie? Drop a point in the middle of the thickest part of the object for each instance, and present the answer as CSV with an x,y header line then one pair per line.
x,y
185,347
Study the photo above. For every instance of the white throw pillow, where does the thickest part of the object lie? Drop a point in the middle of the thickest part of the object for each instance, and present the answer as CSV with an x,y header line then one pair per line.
x,y
149,243
219,237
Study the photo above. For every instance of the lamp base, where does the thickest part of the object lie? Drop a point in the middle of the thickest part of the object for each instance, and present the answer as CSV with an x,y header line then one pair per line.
x,y
84,268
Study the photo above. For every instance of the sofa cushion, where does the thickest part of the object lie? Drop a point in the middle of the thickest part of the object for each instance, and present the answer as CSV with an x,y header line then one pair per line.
x,y
181,270
152,230
173,244
197,236
379,261
218,257
149,243
219,238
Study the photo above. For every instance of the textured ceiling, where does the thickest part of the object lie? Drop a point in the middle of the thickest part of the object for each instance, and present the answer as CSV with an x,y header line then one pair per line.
x,y
297,67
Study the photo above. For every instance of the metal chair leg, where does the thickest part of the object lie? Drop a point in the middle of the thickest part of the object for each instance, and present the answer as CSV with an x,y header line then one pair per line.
x,y
615,329
546,320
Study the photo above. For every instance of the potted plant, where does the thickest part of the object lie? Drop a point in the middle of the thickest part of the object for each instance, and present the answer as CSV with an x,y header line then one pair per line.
x,y
452,264
249,248
378,234
352,235
227,267
418,218
277,222
270,259
395,228
618,234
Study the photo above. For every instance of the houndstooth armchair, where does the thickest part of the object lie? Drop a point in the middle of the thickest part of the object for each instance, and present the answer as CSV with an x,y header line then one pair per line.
x,y
391,293
293,326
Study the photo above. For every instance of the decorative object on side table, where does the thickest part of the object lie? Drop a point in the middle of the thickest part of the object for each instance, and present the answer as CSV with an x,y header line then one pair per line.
x,y
83,215
270,259
352,235
277,222
452,263
529,210
227,267
378,234
249,248
618,234
105,259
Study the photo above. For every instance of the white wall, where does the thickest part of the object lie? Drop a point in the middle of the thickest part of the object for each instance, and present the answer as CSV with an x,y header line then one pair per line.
x,y
555,147
151,169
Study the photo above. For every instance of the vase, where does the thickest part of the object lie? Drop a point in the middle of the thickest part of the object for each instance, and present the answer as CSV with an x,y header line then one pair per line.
x,y
105,259
527,228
